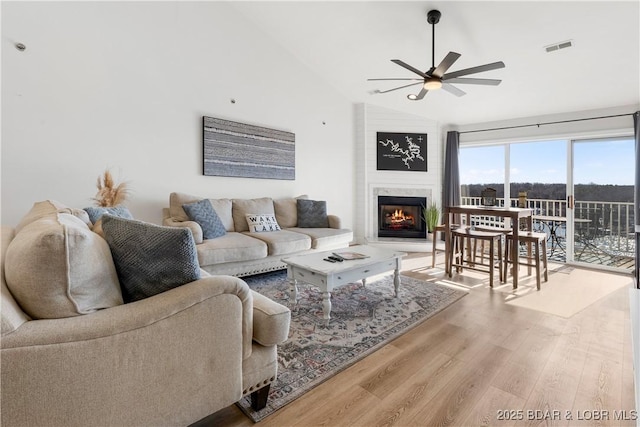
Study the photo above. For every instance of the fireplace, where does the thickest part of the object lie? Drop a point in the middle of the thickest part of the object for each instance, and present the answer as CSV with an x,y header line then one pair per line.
x,y
401,217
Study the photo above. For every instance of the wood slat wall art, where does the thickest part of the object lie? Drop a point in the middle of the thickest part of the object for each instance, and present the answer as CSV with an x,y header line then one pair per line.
x,y
242,150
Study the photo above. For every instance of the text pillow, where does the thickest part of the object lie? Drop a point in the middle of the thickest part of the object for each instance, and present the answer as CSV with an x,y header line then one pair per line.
x,y
259,223
149,258
203,213
312,214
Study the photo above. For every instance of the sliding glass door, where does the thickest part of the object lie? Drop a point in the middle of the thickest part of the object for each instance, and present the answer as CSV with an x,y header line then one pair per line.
x,y
581,193
600,202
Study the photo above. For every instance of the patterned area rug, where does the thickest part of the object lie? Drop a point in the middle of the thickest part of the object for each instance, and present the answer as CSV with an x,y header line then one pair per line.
x,y
363,319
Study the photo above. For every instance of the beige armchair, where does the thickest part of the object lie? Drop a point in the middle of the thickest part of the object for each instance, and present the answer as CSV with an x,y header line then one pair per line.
x,y
170,359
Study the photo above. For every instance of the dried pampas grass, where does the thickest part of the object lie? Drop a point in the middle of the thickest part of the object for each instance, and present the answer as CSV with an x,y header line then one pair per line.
x,y
108,193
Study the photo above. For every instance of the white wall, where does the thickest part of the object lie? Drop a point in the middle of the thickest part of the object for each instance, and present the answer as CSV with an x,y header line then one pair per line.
x,y
371,119
125,85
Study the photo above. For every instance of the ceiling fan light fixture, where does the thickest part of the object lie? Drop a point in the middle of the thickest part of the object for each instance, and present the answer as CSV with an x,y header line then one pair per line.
x,y
433,78
432,84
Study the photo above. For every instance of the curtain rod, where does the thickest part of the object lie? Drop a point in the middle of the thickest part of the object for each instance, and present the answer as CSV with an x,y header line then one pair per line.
x,y
547,123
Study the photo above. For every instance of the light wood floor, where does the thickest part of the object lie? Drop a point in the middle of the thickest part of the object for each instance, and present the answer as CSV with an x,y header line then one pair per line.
x,y
475,362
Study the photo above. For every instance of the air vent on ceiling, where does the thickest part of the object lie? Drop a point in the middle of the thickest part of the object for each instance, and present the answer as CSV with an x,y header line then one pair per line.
x,y
558,46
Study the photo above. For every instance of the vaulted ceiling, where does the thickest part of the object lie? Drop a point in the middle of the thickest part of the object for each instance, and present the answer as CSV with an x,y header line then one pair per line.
x,y
346,42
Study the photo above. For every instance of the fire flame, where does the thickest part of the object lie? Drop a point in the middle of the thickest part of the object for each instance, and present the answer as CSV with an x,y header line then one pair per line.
x,y
399,215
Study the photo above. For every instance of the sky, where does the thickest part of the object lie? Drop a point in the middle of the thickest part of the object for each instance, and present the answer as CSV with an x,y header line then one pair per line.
x,y
609,161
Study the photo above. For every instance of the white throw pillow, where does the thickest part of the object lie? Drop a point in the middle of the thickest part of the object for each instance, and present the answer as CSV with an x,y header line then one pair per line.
x,y
259,223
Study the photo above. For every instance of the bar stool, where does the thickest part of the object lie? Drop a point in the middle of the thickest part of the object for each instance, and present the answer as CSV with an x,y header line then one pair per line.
x,y
503,230
457,254
439,229
537,260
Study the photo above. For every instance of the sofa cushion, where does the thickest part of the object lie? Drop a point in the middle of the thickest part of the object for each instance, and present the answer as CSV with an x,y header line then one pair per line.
x,y
56,267
287,211
176,200
221,206
261,223
47,208
312,214
242,207
326,237
284,241
232,247
12,314
150,258
203,213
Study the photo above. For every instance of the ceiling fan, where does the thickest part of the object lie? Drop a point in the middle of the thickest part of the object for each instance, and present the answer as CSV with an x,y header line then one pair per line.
x,y
435,77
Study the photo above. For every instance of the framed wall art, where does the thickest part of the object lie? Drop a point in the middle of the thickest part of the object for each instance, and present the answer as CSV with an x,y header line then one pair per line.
x,y
402,151
248,151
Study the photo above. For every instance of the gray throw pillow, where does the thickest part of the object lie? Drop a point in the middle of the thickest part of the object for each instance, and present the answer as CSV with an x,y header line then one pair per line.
x,y
95,212
203,213
312,214
149,258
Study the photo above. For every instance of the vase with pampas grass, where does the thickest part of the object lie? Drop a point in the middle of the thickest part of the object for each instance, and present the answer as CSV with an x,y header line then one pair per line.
x,y
109,194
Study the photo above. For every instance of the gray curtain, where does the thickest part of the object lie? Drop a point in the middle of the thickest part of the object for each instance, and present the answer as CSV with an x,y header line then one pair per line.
x,y
636,211
451,184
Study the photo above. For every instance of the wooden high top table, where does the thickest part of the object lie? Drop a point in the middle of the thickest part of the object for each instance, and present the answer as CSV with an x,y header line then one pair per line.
x,y
514,214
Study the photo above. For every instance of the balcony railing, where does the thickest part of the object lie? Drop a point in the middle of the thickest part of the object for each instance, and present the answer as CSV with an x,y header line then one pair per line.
x,y
604,230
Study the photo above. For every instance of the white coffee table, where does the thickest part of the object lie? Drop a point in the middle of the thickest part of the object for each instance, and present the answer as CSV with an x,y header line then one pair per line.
x,y
311,268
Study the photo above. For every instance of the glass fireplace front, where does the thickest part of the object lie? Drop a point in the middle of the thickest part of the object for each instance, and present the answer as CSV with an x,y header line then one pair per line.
x,y
401,217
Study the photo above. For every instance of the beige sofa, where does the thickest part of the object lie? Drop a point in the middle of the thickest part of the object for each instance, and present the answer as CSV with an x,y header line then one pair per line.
x,y
170,359
240,252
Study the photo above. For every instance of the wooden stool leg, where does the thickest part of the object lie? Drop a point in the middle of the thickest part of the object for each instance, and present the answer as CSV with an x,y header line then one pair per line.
x,y
544,260
455,254
506,259
537,251
491,268
461,250
529,258
449,258
433,249
500,258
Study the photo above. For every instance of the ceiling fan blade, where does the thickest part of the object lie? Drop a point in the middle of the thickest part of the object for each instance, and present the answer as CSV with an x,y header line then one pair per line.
x,y
410,68
446,63
472,81
452,89
396,88
420,95
473,70
391,78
